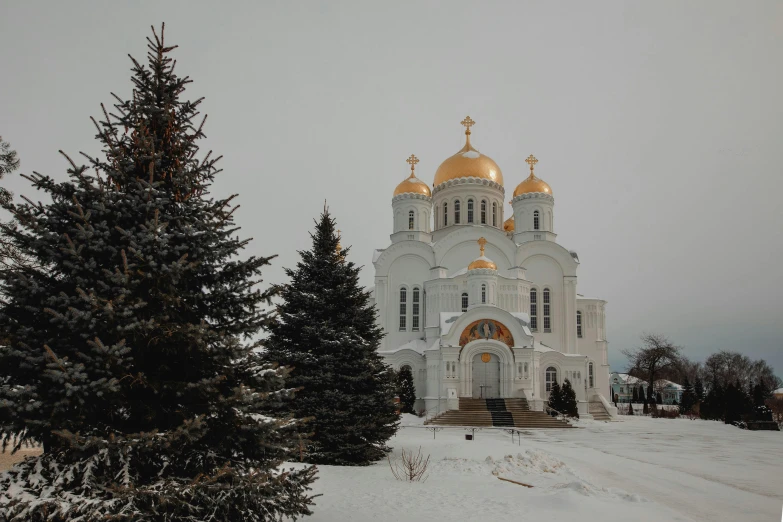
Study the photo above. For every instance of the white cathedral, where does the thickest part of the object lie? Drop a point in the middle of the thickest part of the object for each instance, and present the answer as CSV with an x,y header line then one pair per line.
x,y
482,307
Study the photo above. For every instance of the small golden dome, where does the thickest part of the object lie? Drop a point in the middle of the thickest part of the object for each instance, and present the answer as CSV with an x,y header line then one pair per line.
x,y
509,225
413,185
532,183
468,162
482,261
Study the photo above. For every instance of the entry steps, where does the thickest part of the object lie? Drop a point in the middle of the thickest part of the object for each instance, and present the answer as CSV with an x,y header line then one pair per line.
x,y
496,412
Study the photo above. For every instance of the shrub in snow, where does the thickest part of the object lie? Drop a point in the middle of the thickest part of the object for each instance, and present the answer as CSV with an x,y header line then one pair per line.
x,y
409,466
328,335
129,353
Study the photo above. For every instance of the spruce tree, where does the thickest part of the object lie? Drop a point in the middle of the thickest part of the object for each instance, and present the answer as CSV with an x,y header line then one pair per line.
x,y
405,390
327,333
688,397
698,389
568,400
130,353
556,397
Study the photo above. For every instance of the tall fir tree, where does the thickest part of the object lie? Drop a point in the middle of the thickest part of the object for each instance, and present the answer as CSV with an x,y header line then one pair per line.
x,y
568,400
130,352
327,334
688,399
698,389
406,390
556,397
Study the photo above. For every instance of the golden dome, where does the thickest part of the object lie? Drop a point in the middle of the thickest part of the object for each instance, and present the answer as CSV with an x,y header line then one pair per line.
x,y
413,185
468,162
532,183
482,261
509,224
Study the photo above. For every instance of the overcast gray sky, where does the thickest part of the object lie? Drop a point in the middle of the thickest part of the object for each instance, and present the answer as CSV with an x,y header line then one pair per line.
x,y
659,126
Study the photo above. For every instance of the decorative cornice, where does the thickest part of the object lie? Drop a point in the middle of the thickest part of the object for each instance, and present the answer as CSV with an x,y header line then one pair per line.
x,y
533,195
410,195
482,271
470,180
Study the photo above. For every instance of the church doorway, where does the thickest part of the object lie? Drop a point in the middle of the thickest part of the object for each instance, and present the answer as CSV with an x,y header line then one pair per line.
x,y
486,376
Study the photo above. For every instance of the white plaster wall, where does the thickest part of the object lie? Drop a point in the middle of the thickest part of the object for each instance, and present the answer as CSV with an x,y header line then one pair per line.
x,y
409,270
545,272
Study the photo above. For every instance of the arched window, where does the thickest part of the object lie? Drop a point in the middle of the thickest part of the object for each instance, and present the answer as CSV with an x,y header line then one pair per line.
x,y
470,211
536,220
579,323
547,319
590,375
551,377
483,212
483,294
533,310
410,220
456,212
415,315
445,214
403,309
465,302
494,214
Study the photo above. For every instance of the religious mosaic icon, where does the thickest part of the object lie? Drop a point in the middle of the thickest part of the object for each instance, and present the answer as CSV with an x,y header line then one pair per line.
x,y
486,329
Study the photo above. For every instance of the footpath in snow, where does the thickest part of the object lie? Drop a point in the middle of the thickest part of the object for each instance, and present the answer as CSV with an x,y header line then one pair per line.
x,y
638,469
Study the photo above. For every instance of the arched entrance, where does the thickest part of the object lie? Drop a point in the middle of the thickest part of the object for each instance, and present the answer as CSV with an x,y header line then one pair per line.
x,y
486,376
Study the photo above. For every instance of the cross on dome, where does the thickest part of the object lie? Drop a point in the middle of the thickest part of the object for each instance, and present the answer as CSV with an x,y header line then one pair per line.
x,y
468,123
531,160
481,243
412,161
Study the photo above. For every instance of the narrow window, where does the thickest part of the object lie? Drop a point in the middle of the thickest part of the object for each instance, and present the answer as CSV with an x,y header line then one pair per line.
x,y
415,318
534,310
579,324
590,375
403,309
536,220
483,294
483,212
494,214
470,211
456,213
410,220
465,302
547,319
551,377
445,214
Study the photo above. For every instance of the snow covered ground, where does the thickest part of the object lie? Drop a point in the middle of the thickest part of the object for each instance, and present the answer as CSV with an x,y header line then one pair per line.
x,y
638,469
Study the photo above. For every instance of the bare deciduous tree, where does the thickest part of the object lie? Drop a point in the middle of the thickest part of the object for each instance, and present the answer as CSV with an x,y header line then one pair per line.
x,y
409,467
655,357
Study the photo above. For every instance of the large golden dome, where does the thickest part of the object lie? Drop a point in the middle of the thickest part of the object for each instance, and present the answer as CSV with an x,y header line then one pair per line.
x,y
468,162
482,261
509,224
532,183
413,185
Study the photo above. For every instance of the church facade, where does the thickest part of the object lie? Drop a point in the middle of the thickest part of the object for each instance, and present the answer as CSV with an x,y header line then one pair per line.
x,y
483,305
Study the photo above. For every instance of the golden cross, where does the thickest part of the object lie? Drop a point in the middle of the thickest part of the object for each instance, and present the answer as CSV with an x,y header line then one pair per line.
x,y
339,247
468,123
481,243
413,160
531,160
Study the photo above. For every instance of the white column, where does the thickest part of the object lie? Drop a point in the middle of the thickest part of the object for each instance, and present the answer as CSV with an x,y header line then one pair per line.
x,y
569,308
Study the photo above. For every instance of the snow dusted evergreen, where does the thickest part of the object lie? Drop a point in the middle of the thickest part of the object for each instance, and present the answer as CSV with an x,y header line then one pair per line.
x,y
406,390
130,355
327,333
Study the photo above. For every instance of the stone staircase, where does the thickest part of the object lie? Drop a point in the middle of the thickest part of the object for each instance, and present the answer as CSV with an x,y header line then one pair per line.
x,y
597,410
498,413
